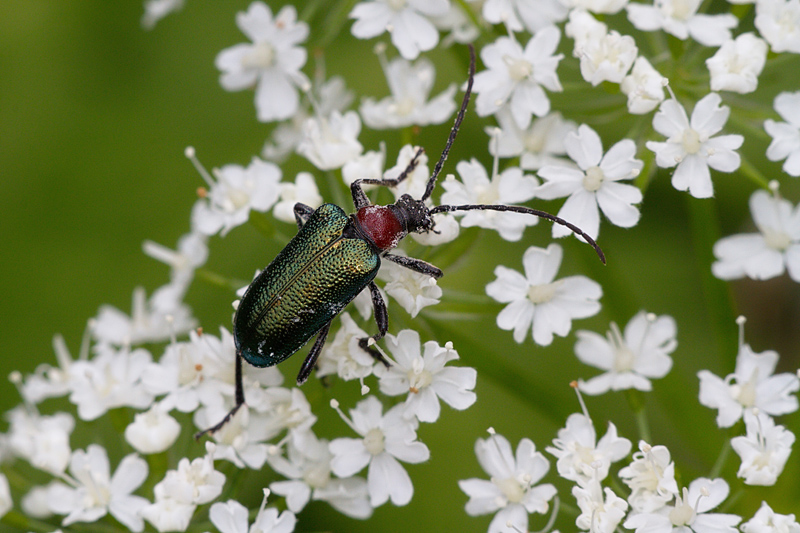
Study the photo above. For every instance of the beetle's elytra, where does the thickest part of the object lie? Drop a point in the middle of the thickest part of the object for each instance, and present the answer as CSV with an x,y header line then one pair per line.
x,y
331,260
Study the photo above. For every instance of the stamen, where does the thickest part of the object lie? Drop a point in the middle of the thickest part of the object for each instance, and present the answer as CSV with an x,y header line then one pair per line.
x,y
190,155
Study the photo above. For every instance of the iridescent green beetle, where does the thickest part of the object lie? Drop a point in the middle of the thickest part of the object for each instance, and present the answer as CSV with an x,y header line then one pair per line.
x,y
331,260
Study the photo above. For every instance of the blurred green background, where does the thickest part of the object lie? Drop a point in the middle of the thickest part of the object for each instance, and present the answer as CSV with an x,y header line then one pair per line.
x,y
95,114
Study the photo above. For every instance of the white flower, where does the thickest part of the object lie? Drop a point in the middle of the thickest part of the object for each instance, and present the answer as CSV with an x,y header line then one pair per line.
x,y
542,143
457,21
594,183
111,379
168,515
580,457
597,6
751,385
763,255
416,182
412,290
410,85
424,377
608,58
193,483
524,14
368,165
786,135
238,441
630,359
537,301
599,514
153,431
385,439
6,503
517,76
273,61
94,493
406,20
304,190
42,440
644,87
237,190
690,512
191,253
680,18
768,521
691,145
231,517
283,409
155,10
778,21
583,28
343,356
511,488
51,381
764,451
737,64
651,478
330,142
307,467
509,187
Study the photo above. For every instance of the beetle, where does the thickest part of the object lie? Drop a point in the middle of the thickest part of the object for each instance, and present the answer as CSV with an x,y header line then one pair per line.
x,y
331,259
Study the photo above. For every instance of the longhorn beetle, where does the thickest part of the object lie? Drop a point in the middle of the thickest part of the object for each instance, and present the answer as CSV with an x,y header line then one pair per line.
x,y
332,259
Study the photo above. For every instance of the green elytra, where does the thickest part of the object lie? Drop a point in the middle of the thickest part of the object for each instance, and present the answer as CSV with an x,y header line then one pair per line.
x,y
309,282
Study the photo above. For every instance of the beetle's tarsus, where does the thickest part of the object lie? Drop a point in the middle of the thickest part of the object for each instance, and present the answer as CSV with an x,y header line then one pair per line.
x,y
214,429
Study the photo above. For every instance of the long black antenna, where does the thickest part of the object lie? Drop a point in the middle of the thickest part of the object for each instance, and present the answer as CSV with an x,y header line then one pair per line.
x,y
527,211
454,131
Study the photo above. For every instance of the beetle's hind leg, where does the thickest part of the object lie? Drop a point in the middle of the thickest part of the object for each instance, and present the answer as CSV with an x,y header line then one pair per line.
x,y
239,401
382,319
311,359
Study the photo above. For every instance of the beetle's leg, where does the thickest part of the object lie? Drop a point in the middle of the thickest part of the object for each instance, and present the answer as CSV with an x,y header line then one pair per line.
x,y
382,319
239,401
301,213
360,199
311,358
417,265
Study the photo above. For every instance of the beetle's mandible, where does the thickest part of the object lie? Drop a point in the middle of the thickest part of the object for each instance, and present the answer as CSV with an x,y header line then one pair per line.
x,y
331,260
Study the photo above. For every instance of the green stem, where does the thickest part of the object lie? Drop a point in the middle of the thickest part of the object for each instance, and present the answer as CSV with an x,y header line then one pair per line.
x,y
719,464
636,401
753,174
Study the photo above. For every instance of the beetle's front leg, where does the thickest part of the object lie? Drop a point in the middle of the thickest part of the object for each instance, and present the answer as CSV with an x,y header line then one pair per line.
x,y
382,319
301,213
313,355
417,265
360,199
239,401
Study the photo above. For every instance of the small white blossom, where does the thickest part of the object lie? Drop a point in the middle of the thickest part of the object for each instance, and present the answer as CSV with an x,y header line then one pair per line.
x,y
368,165
236,191
280,409
168,515
153,431
155,10
36,502
594,185
768,521
539,302
49,381
191,253
751,385
94,492
506,188
457,21
6,503
541,144
524,14
331,141
304,190
412,290
272,62
680,18
597,6
651,478
584,28
608,58
232,517
239,441
778,21
516,76
764,451
385,439
410,85
690,512
601,509
580,457
407,21
768,253
343,356
42,440
691,145
785,135
194,482
113,378
737,64
512,488
644,87
630,360
423,376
